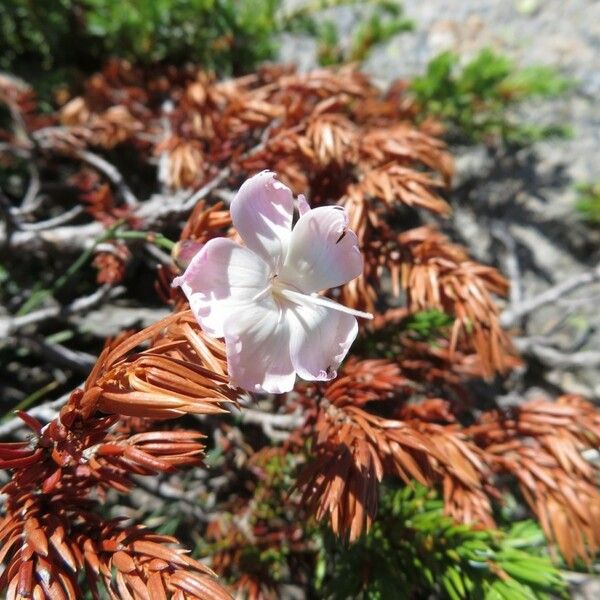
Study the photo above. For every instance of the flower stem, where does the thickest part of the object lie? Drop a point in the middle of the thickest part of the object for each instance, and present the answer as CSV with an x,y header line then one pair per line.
x,y
158,239
112,233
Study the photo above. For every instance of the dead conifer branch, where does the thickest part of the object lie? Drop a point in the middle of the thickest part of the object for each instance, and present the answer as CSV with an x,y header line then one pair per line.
x,y
354,449
172,377
79,452
437,274
541,444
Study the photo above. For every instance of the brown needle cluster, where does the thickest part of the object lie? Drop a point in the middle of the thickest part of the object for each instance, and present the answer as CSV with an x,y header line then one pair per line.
x,y
52,530
539,445
438,274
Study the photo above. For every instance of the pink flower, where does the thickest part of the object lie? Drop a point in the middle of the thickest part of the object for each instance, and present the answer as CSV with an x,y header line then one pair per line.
x,y
262,297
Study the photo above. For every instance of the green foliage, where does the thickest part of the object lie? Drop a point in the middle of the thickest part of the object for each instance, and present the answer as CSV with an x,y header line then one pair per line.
x,y
265,557
33,27
588,202
386,20
380,28
414,550
225,35
431,326
222,34
52,40
428,325
473,101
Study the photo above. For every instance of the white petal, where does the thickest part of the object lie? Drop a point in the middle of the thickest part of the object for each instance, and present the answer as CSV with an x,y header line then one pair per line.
x,y
323,253
320,339
303,205
262,212
257,339
222,277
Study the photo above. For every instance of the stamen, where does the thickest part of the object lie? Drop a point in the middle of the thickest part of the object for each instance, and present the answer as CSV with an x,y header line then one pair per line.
x,y
262,293
299,298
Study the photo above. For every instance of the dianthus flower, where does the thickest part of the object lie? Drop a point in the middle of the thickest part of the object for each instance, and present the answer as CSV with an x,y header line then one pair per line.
x,y
263,297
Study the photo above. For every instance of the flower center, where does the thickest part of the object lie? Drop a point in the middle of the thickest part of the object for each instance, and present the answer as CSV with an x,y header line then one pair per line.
x,y
278,289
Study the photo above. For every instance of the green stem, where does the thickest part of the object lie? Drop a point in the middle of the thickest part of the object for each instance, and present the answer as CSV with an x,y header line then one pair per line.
x,y
158,239
37,298
31,399
112,233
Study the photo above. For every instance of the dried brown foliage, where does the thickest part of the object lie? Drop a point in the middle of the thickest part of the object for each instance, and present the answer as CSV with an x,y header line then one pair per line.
x,y
112,264
438,274
331,133
354,448
541,445
183,371
51,532
411,416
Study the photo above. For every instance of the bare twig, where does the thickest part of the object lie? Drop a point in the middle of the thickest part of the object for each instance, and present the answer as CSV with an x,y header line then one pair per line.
x,y
214,183
9,325
511,262
94,160
554,358
152,213
160,255
205,190
72,238
111,172
166,491
15,150
65,217
277,427
29,201
513,314
163,159
68,238
82,362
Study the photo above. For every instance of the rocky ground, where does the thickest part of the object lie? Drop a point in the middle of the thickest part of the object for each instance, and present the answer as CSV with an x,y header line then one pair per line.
x,y
517,209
